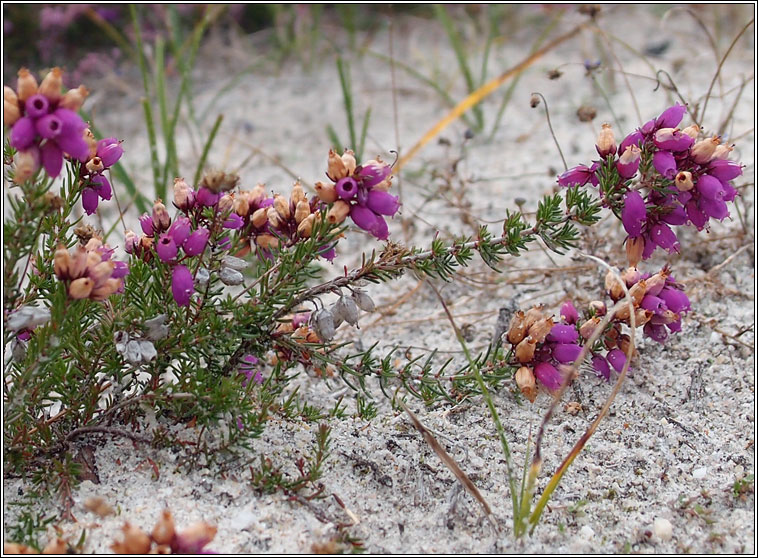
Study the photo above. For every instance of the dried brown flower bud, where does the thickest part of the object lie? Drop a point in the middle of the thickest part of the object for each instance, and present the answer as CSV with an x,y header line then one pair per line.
x,y
624,343
598,306
56,546
517,328
78,262
266,241
527,383
327,193
683,181
27,163
241,204
81,288
297,195
260,217
637,291
27,85
161,218
219,181
302,210
51,85
305,227
642,316
62,262
336,167
613,286
226,203
722,151
348,157
533,315
692,130
525,349
540,329
606,143
95,165
588,328
98,506
54,202
655,283
74,98
135,541
273,216
282,206
634,249
164,530
338,212
101,292
703,151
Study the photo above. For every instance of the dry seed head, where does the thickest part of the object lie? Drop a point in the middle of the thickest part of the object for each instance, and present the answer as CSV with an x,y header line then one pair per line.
x,y
623,312
525,349
242,204
656,282
624,343
348,309
27,85
10,95
51,85
606,143
78,262
327,193
526,382
98,506
517,328
302,210
219,181
89,137
74,98
338,212
81,288
384,185
336,167
540,329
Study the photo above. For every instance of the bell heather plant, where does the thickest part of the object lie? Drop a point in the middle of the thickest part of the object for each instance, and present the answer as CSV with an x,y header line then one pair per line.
x,y
219,304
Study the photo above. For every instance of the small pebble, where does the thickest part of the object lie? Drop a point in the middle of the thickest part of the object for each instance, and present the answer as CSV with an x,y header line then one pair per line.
x,y
586,532
663,529
699,473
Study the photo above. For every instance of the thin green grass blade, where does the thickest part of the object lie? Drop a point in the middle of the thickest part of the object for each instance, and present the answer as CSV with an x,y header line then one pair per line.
x,y
364,132
207,148
344,72
337,145
456,42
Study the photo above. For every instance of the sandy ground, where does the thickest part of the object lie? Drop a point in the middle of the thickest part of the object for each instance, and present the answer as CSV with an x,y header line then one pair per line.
x,y
680,433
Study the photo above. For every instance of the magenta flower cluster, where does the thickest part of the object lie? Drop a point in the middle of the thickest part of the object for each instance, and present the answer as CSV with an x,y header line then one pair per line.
x,y
679,180
541,346
107,153
359,191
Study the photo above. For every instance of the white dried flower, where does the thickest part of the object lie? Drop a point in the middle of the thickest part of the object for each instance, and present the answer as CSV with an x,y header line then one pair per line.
x,y
363,301
133,352
237,264
348,309
27,317
230,276
322,323
148,350
202,276
156,327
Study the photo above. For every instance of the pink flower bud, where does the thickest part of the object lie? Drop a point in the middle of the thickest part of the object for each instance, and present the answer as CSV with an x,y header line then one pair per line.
x,y
182,285
629,162
347,188
23,133
606,143
569,313
184,195
37,106
373,172
166,247
671,117
110,151
665,164
617,359
724,170
196,242
634,213
561,333
672,139
601,367
578,175
566,352
52,158
89,200
146,223
703,151
548,375
382,203
180,230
